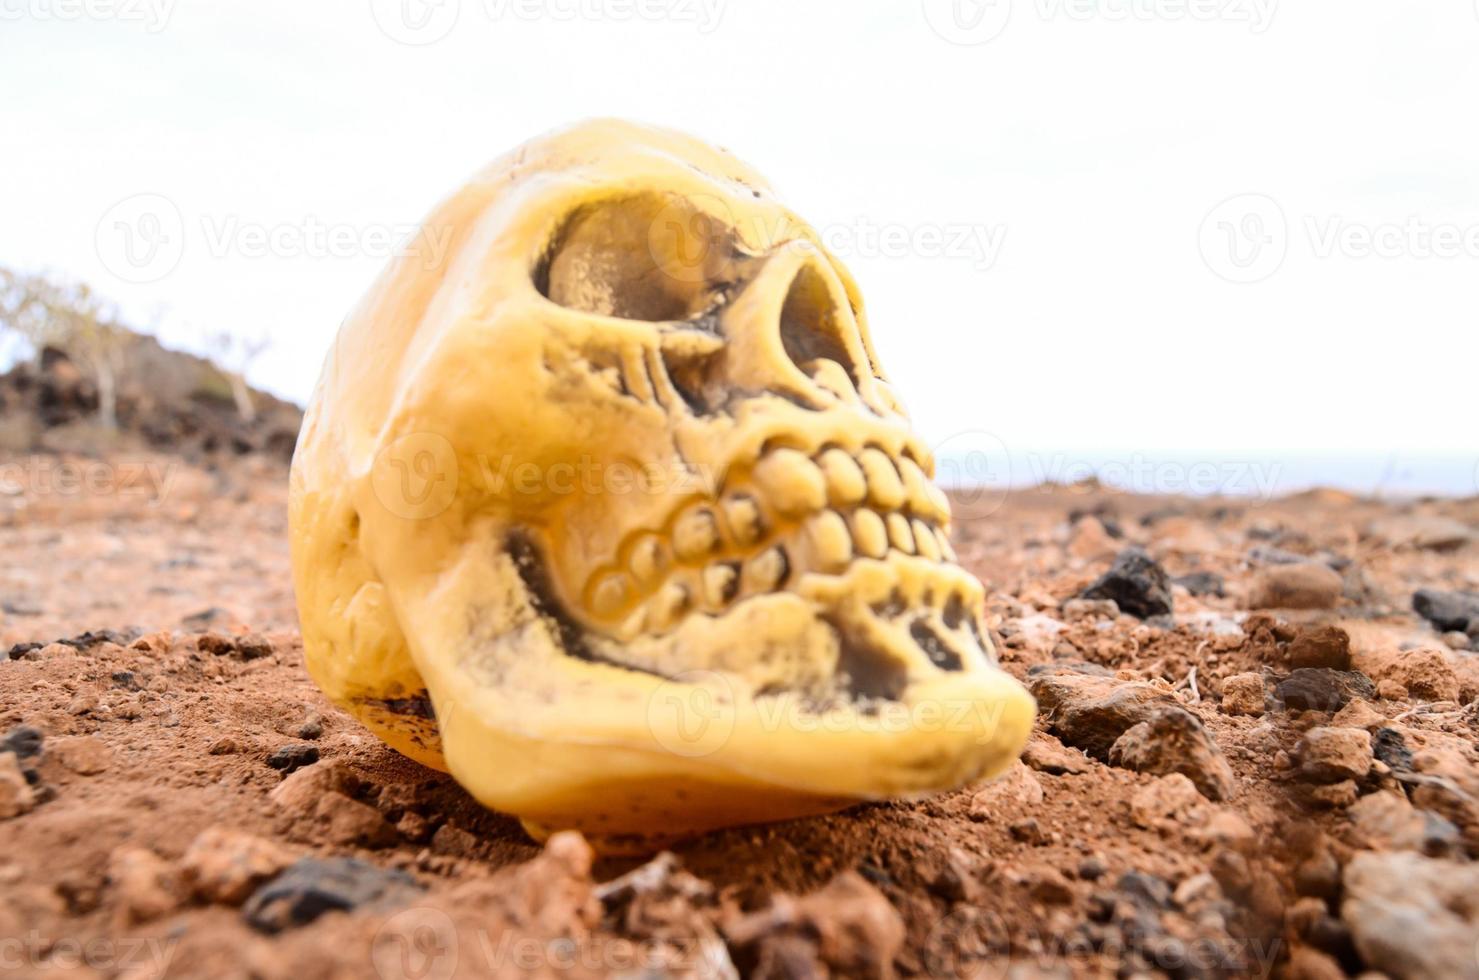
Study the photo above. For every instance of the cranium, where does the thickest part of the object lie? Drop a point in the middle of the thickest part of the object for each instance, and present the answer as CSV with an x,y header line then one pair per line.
x,y
603,505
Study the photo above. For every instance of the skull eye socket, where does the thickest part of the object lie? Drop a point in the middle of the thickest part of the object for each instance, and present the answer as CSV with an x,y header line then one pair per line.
x,y
812,329
651,257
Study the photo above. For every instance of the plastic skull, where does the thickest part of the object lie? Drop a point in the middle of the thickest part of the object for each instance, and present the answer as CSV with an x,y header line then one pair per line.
x,y
603,505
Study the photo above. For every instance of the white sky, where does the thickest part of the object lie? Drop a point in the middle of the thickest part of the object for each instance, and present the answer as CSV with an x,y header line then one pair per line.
x,y
1088,143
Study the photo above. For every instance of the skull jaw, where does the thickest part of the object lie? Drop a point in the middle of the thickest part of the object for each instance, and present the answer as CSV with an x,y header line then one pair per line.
x,y
633,758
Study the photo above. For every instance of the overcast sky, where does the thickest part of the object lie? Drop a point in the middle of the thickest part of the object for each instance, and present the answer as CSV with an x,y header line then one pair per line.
x,y
1216,226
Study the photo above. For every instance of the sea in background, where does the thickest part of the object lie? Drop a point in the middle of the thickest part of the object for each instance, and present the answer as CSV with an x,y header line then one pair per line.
x,y
987,464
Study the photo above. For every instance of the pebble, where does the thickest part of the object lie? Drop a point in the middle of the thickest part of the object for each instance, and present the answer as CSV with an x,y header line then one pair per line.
x,y
1330,755
1447,611
1173,740
291,758
1358,713
253,646
1390,690
16,795
1413,916
321,796
86,755
1456,641
1322,689
1425,673
313,886
215,644
1090,711
145,885
1243,694
846,929
1137,583
225,866
1077,610
1324,646
23,741
1049,756
1388,822
1172,799
1305,585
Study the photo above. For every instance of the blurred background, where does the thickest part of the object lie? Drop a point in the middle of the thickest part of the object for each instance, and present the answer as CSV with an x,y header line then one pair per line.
x,y
1182,246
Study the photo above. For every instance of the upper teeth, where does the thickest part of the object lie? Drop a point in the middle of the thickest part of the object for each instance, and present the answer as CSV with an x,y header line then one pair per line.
x,y
789,515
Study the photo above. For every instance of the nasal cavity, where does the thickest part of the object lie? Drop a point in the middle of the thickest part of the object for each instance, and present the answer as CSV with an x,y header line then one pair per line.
x,y
814,328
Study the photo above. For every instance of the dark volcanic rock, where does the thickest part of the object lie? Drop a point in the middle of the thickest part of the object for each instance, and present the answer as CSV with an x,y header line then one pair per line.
x,y
1136,583
1455,611
291,758
312,887
1322,689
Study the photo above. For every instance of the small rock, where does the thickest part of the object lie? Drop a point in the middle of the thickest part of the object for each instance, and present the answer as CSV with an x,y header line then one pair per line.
x,y
1091,869
16,795
291,758
313,886
1324,646
23,741
1318,875
1334,795
1388,822
1243,694
1077,610
226,745
1173,740
1322,689
1027,830
1047,885
1011,791
226,866
1426,673
1174,799
215,644
145,886
1306,585
1412,916
1306,963
1137,583
848,925
86,755
1089,540
1049,756
1330,755
1201,584
321,796
1390,748
1447,611
23,651
1358,713
1390,690
1456,641
312,727
253,646
1090,711
1427,531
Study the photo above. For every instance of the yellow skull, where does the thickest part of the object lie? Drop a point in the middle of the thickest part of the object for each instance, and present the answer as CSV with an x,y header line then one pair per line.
x,y
603,505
